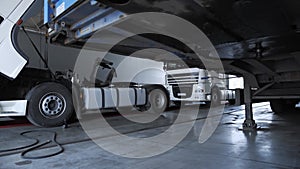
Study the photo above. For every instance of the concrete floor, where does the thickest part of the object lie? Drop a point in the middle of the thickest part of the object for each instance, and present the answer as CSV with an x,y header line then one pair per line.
x,y
275,145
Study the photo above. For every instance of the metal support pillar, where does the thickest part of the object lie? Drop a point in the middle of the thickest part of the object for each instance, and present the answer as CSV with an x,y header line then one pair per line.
x,y
249,123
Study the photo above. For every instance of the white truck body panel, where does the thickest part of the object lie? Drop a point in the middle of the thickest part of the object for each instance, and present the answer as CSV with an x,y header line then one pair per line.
x,y
11,61
13,108
143,71
103,98
8,6
236,82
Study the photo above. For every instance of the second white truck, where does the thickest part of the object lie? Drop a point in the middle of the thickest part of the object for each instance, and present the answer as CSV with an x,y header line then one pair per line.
x,y
198,85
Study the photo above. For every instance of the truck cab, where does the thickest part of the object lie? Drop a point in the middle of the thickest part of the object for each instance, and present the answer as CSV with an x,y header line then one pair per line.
x,y
198,85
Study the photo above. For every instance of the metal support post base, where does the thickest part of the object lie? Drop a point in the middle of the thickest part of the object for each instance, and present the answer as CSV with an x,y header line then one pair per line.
x,y
249,125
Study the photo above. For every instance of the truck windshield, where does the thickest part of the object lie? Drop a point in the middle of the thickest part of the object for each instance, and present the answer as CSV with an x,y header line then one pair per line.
x,y
1,19
175,66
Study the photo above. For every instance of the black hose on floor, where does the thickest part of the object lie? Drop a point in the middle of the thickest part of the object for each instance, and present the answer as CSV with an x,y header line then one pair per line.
x,y
36,141
35,146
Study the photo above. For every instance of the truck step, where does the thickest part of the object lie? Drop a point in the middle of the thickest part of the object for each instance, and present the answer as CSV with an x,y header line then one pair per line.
x,y
13,108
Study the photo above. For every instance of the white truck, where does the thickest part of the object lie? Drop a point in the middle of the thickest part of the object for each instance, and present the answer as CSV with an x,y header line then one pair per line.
x,y
43,95
122,86
198,85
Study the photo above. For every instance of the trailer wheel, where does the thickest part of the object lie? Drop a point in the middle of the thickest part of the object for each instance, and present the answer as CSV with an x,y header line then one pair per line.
x,y
215,96
157,101
283,106
49,105
277,106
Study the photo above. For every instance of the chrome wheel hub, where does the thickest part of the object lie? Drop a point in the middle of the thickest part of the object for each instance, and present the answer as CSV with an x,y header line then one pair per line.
x,y
52,105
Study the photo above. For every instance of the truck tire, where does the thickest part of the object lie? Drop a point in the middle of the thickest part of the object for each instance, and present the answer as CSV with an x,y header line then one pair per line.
x,y
277,106
231,102
157,101
49,105
283,106
177,103
215,96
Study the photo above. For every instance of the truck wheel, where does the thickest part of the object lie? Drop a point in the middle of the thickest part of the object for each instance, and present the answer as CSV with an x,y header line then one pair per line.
x,y
177,103
49,105
231,101
215,96
277,106
157,101
283,106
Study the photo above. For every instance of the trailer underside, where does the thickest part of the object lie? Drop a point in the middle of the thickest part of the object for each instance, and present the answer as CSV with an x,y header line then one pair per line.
x,y
256,39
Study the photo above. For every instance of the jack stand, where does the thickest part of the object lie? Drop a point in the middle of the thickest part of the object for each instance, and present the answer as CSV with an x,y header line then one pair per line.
x,y
249,123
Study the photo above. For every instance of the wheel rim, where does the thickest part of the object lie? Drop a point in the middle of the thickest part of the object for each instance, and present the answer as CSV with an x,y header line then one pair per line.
x,y
52,105
158,100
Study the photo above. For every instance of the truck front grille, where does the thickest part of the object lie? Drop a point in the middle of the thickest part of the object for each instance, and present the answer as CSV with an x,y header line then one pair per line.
x,y
182,91
183,79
